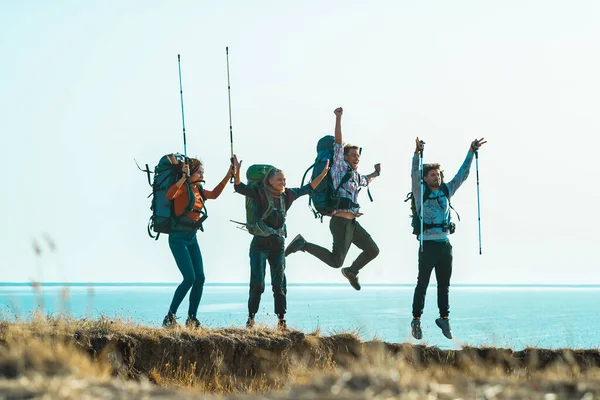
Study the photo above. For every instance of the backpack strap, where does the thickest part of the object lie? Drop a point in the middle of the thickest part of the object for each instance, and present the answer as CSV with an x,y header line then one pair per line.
x,y
336,192
306,173
345,179
271,205
189,208
446,191
150,223
147,171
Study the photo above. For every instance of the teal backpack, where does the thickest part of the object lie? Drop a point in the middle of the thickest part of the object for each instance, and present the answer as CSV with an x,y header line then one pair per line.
x,y
163,219
254,219
325,198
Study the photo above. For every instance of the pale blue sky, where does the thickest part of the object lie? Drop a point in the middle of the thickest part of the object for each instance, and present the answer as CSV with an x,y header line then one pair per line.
x,y
86,87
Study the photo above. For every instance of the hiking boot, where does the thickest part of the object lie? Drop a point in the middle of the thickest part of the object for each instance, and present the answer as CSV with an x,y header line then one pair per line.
x,y
192,322
352,278
415,328
295,245
170,321
282,325
250,323
444,324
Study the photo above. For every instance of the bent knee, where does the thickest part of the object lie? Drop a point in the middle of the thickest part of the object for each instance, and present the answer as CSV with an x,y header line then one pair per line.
x,y
200,280
189,281
374,251
338,262
257,287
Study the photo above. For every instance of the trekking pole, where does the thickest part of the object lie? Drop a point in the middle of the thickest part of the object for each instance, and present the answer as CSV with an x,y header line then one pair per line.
x,y
478,202
421,194
181,97
230,127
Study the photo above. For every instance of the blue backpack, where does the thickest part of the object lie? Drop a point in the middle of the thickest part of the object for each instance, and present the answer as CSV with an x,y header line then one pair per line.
x,y
163,219
324,199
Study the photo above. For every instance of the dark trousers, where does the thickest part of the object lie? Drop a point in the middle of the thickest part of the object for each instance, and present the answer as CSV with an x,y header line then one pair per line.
x,y
263,249
346,232
186,251
438,256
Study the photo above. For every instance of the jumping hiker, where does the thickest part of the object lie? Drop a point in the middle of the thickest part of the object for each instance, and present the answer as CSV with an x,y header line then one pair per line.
x,y
344,226
266,206
437,250
182,238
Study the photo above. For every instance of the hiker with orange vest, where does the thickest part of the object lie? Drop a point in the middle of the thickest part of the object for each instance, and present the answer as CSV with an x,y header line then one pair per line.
x,y
182,238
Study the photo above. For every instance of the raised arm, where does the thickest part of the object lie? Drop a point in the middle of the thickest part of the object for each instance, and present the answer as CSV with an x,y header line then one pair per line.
x,y
463,172
414,174
366,179
238,185
319,178
338,124
213,194
175,190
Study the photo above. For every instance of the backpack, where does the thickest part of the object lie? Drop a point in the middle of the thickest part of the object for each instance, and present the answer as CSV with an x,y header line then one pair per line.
x,y
163,219
254,219
324,199
416,219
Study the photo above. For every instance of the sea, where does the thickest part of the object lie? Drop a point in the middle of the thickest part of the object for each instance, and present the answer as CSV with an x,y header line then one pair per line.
x,y
507,316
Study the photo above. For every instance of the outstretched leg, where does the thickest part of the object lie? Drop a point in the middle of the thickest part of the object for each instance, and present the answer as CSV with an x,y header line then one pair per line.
x,y
342,231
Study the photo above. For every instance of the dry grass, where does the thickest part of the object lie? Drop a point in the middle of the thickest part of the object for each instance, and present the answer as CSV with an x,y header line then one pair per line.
x,y
117,359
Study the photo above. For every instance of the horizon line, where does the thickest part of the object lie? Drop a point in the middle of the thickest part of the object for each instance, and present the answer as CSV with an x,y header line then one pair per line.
x,y
164,284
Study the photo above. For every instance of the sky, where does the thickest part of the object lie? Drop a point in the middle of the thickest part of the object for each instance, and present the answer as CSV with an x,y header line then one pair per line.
x,y
87,87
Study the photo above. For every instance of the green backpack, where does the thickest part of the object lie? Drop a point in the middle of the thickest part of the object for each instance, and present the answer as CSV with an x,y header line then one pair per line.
x,y
254,220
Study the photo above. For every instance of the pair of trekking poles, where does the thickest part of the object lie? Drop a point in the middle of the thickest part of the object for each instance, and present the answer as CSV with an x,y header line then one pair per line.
x,y
420,152
229,99
423,189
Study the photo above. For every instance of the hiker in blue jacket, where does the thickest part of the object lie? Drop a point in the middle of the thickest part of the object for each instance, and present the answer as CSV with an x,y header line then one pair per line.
x,y
437,250
273,200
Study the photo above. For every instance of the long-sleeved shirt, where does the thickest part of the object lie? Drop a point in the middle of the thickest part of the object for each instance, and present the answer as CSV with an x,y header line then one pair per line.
x,y
179,195
275,219
349,189
437,208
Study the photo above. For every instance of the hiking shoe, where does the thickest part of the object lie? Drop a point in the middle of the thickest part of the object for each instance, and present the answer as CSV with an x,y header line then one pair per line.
x,y
250,323
352,278
282,325
170,321
415,328
192,322
444,324
295,245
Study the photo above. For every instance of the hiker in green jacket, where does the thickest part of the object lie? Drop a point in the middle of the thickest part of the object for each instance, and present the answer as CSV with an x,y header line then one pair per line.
x,y
272,199
437,250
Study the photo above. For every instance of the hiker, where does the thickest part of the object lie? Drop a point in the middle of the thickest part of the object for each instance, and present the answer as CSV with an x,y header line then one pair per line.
x,y
182,238
270,202
344,226
437,250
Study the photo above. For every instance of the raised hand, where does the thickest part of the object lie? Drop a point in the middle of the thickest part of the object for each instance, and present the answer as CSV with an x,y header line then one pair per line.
x,y
185,169
419,144
338,111
236,164
477,143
